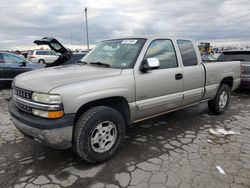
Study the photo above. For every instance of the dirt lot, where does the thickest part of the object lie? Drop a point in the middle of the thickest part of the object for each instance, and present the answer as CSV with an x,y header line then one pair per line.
x,y
174,150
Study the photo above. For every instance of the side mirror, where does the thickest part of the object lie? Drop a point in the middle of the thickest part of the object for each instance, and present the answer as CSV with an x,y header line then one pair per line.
x,y
150,64
22,64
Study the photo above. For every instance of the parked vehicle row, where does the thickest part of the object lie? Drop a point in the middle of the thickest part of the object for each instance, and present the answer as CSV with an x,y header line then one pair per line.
x,y
11,64
88,105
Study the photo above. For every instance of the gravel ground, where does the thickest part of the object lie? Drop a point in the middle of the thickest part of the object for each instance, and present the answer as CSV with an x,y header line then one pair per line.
x,y
174,150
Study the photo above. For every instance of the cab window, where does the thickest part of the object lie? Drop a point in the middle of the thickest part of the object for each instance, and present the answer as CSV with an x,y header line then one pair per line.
x,y
188,53
163,50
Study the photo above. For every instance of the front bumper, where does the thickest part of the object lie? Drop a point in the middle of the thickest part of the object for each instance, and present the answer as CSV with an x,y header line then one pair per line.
x,y
56,133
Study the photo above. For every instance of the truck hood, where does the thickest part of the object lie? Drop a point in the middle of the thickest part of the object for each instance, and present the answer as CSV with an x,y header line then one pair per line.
x,y
44,80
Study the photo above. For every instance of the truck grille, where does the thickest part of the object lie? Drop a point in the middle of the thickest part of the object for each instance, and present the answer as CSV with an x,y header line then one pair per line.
x,y
23,93
23,107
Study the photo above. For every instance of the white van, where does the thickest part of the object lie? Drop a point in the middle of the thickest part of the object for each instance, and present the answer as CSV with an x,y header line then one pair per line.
x,y
42,56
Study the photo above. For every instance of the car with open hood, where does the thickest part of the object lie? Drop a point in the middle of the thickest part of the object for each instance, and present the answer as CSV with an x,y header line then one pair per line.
x,y
66,55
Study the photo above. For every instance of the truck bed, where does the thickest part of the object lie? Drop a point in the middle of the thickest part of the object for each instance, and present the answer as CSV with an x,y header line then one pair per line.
x,y
216,71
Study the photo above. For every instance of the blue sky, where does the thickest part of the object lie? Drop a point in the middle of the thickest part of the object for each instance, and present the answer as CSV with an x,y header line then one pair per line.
x,y
222,22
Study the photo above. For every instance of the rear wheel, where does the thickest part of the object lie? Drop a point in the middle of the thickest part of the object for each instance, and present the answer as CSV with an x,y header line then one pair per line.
x,y
41,61
98,134
221,101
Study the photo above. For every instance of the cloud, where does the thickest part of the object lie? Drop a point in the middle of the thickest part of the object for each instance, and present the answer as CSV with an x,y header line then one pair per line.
x,y
218,21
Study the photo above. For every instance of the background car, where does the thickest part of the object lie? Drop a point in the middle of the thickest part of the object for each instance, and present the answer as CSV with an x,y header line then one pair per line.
x,y
42,56
244,57
208,58
11,65
75,58
66,57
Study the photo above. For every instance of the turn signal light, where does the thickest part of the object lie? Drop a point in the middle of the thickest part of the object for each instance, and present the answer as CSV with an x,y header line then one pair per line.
x,y
55,114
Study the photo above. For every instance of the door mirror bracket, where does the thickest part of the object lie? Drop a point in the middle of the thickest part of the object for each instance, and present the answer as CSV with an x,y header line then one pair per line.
x,y
150,64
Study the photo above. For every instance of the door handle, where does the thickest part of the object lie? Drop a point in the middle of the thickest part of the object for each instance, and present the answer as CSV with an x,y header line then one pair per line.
x,y
179,76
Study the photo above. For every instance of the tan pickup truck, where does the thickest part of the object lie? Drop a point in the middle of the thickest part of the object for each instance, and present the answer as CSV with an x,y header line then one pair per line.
x,y
121,81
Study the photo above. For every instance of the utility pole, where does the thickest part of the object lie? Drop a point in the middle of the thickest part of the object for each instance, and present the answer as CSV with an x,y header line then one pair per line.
x,y
70,33
86,21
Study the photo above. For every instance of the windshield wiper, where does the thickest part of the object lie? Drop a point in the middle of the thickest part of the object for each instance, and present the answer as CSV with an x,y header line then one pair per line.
x,y
100,64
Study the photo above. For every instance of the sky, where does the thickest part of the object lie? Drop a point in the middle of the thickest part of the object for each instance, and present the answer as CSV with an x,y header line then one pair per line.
x,y
218,21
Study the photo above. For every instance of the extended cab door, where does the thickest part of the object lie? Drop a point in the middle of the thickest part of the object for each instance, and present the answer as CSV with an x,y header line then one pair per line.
x,y
161,89
193,72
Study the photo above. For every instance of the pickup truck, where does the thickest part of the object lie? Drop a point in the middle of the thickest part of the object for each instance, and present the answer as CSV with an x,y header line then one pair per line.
x,y
121,81
244,57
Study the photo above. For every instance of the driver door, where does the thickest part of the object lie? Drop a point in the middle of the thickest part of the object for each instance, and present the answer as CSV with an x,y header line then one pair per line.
x,y
159,90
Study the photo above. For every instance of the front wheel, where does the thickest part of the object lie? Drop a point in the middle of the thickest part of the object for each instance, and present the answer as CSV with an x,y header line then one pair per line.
x,y
98,134
220,103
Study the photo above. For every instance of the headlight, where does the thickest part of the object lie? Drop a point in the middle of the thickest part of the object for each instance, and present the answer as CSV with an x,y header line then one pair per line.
x,y
47,98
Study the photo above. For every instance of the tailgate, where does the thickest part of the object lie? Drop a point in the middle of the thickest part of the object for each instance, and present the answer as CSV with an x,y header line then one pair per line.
x,y
245,68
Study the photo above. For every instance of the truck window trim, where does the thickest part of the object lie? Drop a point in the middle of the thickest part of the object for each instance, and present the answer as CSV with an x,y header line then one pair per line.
x,y
173,48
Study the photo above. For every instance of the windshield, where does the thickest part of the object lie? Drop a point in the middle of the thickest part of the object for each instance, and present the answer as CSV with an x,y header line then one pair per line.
x,y
118,53
241,56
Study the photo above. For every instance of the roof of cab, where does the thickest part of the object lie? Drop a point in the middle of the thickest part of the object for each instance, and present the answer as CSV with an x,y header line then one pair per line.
x,y
152,37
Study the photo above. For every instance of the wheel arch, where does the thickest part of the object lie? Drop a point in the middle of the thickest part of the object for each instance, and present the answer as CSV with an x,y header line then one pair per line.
x,y
41,59
228,81
117,102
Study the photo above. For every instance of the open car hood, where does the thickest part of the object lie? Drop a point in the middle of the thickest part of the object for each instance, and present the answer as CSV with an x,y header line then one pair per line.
x,y
54,44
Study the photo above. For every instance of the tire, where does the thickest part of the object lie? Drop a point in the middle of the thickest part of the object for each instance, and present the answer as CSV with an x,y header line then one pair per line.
x,y
41,61
218,105
90,123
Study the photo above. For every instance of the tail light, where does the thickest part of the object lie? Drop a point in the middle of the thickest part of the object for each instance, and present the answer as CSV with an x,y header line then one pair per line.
x,y
243,69
31,56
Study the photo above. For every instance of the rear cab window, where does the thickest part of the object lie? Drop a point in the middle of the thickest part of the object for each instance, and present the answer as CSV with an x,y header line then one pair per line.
x,y
188,54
